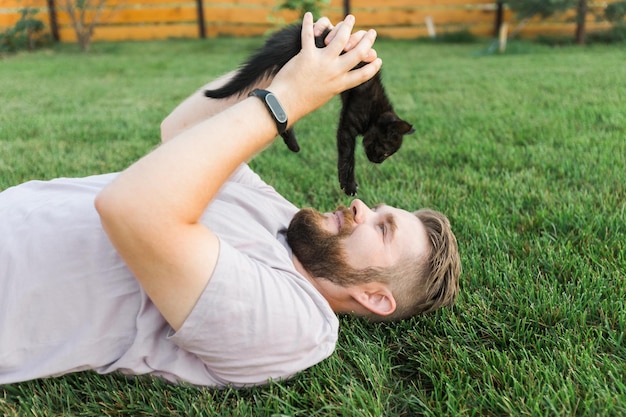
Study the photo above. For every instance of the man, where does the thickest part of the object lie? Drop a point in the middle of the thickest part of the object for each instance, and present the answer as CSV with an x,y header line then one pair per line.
x,y
188,266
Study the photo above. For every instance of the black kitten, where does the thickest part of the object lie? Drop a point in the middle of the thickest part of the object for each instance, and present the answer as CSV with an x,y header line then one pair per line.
x,y
366,109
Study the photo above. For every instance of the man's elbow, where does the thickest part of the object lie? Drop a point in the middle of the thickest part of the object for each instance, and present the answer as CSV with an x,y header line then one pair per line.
x,y
109,206
169,128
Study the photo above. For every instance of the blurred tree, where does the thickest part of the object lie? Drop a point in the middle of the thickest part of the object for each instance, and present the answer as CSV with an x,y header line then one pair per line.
x,y
528,8
615,13
28,33
303,6
525,9
581,17
85,16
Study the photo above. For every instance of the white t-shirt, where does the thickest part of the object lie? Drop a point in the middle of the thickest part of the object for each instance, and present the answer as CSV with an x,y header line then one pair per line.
x,y
69,303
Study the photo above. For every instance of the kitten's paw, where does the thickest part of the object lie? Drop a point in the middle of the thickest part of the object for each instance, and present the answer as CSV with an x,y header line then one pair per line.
x,y
350,189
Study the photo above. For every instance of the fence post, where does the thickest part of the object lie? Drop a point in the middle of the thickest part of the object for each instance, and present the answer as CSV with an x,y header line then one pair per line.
x,y
52,17
200,12
581,15
499,18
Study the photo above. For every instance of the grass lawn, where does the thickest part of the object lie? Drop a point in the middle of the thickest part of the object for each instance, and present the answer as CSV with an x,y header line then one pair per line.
x,y
526,153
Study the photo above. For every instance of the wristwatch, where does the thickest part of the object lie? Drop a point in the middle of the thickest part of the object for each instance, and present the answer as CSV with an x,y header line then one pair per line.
x,y
273,106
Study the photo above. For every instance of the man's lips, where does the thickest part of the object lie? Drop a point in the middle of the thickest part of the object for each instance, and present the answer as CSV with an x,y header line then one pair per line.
x,y
336,221
340,219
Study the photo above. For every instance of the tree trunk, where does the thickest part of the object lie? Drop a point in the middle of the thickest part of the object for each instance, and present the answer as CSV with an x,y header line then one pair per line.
x,y
499,18
581,15
52,14
200,13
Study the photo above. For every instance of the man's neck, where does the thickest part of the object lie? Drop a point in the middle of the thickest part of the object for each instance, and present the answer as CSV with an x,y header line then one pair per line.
x,y
337,297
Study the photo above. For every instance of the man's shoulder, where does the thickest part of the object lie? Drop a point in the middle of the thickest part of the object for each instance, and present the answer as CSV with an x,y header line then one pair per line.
x,y
255,321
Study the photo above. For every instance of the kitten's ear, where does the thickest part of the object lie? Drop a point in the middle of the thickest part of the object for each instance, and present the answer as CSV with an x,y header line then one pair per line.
x,y
403,127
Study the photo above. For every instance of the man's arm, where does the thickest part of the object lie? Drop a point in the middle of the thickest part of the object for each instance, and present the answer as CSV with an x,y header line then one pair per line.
x,y
151,211
198,107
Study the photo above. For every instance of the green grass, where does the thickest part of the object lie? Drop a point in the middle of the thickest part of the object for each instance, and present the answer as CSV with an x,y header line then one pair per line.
x,y
526,153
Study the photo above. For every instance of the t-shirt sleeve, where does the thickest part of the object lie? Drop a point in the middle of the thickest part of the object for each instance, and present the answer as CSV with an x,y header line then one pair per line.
x,y
245,175
253,323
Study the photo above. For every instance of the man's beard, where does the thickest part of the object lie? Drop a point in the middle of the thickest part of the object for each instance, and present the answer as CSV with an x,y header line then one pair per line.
x,y
320,252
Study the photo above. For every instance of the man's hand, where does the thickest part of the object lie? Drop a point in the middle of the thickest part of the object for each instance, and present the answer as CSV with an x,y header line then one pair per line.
x,y
324,23
315,75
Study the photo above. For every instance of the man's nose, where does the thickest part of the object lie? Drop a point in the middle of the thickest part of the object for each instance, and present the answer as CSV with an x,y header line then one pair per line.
x,y
360,211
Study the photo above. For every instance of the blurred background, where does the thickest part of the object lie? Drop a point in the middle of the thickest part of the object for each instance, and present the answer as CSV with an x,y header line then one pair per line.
x,y
28,23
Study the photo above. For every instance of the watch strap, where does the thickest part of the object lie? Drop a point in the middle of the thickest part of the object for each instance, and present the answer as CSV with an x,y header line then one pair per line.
x,y
273,106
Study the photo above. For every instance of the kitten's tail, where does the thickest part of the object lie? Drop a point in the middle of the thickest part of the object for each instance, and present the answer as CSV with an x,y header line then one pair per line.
x,y
265,63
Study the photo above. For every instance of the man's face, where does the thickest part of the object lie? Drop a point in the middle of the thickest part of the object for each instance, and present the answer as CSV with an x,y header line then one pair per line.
x,y
318,249
334,245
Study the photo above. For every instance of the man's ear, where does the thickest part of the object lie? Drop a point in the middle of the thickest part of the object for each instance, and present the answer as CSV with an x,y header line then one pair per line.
x,y
375,297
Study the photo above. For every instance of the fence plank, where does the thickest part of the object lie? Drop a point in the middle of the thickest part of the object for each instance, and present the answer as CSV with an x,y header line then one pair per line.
x,y
137,16
382,18
407,4
19,4
159,19
118,33
559,28
11,18
413,32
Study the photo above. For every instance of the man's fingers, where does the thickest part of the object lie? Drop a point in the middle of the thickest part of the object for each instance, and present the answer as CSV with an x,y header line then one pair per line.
x,y
366,72
307,36
321,25
355,38
342,35
362,51
371,56
331,35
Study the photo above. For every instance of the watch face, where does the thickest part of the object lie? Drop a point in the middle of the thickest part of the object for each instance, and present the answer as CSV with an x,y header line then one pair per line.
x,y
276,108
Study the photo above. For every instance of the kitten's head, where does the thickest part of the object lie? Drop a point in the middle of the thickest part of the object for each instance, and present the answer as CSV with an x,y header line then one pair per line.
x,y
384,138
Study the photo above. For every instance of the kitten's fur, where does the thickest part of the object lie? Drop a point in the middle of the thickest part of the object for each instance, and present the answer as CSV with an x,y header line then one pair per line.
x,y
366,109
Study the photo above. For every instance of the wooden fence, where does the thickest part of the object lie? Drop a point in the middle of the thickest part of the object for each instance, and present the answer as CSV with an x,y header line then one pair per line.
x,y
161,19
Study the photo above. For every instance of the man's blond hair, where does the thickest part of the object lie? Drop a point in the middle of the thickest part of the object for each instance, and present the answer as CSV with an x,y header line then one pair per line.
x,y
423,285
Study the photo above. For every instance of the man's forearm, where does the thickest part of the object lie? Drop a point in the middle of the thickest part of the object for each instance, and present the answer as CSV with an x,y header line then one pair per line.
x,y
198,107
